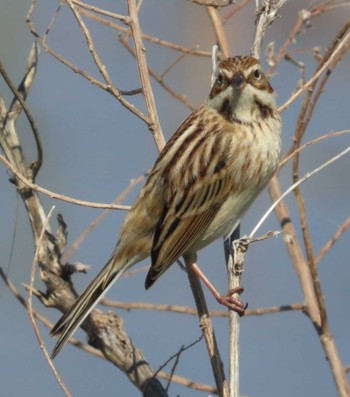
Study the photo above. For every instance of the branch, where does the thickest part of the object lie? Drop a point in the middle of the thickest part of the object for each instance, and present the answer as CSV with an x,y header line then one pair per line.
x,y
332,58
312,142
57,196
19,103
342,229
235,264
304,18
119,17
156,40
193,312
159,78
69,252
218,27
212,3
208,332
109,87
30,309
140,52
117,347
95,352
266,12
296,184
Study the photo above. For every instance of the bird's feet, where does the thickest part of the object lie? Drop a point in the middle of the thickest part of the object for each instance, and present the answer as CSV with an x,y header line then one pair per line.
x,y
232,303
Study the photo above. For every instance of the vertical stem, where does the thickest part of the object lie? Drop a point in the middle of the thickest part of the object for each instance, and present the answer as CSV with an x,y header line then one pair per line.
x,y
337,367
140,51
234,280
208,332
219,31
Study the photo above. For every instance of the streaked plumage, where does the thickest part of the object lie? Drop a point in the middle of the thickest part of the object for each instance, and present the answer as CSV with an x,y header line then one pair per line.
x,y
202,183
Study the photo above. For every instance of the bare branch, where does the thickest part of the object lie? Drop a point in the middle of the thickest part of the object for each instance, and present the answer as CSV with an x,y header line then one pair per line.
x,y
109,87
122,18
30,309
235,10
266,12
159,78
333,58
193,312
312,142
140,51
99,218
298,183
208,332
235,263
156,40
16,108
342,229
57,196
219,32
212,3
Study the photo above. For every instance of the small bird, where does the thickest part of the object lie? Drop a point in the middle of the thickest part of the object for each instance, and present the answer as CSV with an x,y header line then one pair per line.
x,y
204,180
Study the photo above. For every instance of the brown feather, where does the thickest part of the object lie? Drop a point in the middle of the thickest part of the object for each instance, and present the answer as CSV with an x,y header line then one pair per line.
x,y
202,183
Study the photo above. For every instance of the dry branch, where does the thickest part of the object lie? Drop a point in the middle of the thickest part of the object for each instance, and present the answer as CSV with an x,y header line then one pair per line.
x,y
57,196
116,346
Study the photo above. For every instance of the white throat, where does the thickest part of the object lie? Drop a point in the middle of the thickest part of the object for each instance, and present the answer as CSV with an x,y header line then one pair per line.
x,y
242,104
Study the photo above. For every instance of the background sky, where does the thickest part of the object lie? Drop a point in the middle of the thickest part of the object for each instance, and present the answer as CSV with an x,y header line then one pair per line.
x,y
92,149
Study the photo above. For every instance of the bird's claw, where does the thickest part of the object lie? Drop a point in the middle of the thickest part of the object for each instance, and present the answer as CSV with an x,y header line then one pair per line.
x,y
232,303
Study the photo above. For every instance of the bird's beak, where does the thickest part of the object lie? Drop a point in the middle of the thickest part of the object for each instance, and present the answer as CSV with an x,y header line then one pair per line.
x,y
238,81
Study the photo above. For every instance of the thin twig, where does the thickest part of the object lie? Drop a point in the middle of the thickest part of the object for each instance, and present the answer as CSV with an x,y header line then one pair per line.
x,y
313,12
235,10
312,142
122,18
305,114
30,309
20,96
176,356
266,12
53,20
342,229
57,196
140,51
326,65
97,353
212,3
69,252
158,78
208,332
109,87
172,64
298,183
156,40
304,118
193,312
219,31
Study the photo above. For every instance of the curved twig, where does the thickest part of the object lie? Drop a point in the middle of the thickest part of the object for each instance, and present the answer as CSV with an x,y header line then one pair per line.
x,y
307,176
57,196
20,96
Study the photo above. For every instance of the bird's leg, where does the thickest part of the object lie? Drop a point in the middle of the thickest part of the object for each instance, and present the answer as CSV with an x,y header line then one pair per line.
x,y
227,300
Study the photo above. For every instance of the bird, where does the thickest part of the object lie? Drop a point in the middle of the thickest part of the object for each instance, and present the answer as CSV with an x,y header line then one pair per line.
x,y
202,183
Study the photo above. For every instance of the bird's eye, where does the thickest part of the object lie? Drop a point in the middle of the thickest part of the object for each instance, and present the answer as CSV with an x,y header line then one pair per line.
x,y
220,80
257,74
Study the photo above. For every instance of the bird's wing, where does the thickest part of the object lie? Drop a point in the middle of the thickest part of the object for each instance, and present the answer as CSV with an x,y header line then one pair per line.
x,y
185,217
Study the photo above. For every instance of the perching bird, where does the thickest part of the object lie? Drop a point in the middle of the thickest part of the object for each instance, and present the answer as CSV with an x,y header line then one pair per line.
x,y
204,180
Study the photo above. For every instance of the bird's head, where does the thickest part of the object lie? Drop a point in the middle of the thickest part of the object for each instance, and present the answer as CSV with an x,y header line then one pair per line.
x,y
241,91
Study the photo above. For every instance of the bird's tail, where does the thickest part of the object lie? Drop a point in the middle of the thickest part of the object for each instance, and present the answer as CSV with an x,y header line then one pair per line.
x,y
86,302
